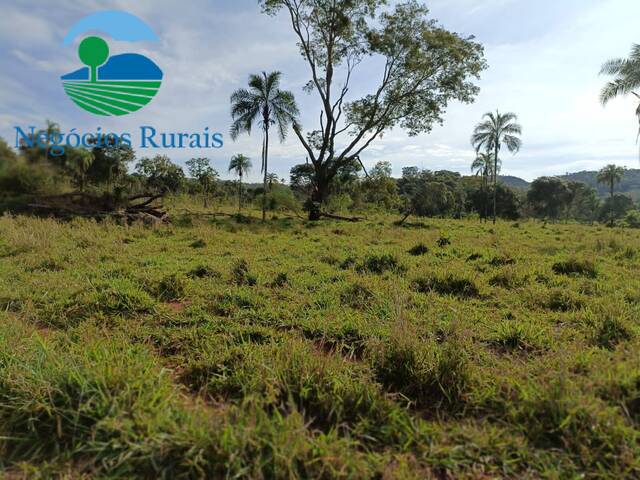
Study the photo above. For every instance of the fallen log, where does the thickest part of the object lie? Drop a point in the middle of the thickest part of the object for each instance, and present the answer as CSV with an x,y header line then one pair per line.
x,y
339,217
80,204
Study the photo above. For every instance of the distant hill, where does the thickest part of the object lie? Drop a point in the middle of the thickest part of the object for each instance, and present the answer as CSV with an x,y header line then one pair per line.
x,y
630,184
513,182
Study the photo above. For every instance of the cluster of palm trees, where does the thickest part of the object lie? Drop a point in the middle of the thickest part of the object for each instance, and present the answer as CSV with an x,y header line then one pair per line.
x,y
266,105
497,130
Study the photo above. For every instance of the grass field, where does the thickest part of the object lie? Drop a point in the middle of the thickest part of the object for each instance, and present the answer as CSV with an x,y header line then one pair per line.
x,y
217,348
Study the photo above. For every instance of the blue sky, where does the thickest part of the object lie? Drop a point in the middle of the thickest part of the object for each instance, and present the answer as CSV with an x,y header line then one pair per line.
x,y
543,57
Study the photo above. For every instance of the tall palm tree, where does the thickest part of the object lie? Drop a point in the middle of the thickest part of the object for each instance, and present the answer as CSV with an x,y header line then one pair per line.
x,y
497,130
610,175
266,104
626,73
240,164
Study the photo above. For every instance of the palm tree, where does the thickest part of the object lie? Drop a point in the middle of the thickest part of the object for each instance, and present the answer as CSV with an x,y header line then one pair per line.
x,y
626,73
495,131
610,175
483,166
271,179
80,160
266,104
240,164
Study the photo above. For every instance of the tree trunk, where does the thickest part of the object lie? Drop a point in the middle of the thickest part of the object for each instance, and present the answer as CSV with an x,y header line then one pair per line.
x,y
495,183
611,206
318,197
240,194
265,156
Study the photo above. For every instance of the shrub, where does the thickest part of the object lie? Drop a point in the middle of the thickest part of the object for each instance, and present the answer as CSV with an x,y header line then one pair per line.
x,y
513,335
172,288
381,263
203,271
423,373
575,266
507,278
240,274
443,241
198,243
281,280
612,331
419,249
561,300
449,284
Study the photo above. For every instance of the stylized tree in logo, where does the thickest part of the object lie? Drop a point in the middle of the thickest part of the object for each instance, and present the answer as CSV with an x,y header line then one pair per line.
x,y
93,52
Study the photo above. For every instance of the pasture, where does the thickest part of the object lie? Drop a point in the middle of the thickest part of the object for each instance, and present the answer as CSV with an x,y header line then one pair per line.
x,y
221,347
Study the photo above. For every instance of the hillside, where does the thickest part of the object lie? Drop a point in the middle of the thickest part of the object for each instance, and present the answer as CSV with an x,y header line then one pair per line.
x,y
630,184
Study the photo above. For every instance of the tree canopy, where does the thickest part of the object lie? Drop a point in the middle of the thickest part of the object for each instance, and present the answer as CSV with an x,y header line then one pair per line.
x,y
424,67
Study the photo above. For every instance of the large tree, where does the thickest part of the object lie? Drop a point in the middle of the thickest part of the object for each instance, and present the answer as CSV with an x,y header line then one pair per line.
x,y
422,68
265,103
490,135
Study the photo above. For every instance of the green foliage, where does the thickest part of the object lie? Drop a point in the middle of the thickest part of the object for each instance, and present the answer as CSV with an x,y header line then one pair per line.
x,y
160,174
548,197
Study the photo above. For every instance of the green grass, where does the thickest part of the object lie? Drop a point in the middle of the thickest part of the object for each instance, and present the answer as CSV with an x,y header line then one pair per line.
x,y
226,348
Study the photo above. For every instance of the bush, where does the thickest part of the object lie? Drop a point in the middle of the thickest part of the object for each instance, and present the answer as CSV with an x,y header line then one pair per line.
x,y
240,274
172,288
381,263
423,373
419,249
20,178
512,336
632,219
561,300
449,284
575,266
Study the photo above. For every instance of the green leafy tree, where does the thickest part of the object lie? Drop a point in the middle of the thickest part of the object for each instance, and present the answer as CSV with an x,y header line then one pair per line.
x,y
205,174
240,165
615,208
380,188
495,131
110,163
160,174
548,197
423,67
626,73
611,175
265,103
584,203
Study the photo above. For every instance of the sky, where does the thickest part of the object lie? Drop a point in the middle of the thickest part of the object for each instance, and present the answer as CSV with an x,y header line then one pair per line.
x,y
544,59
